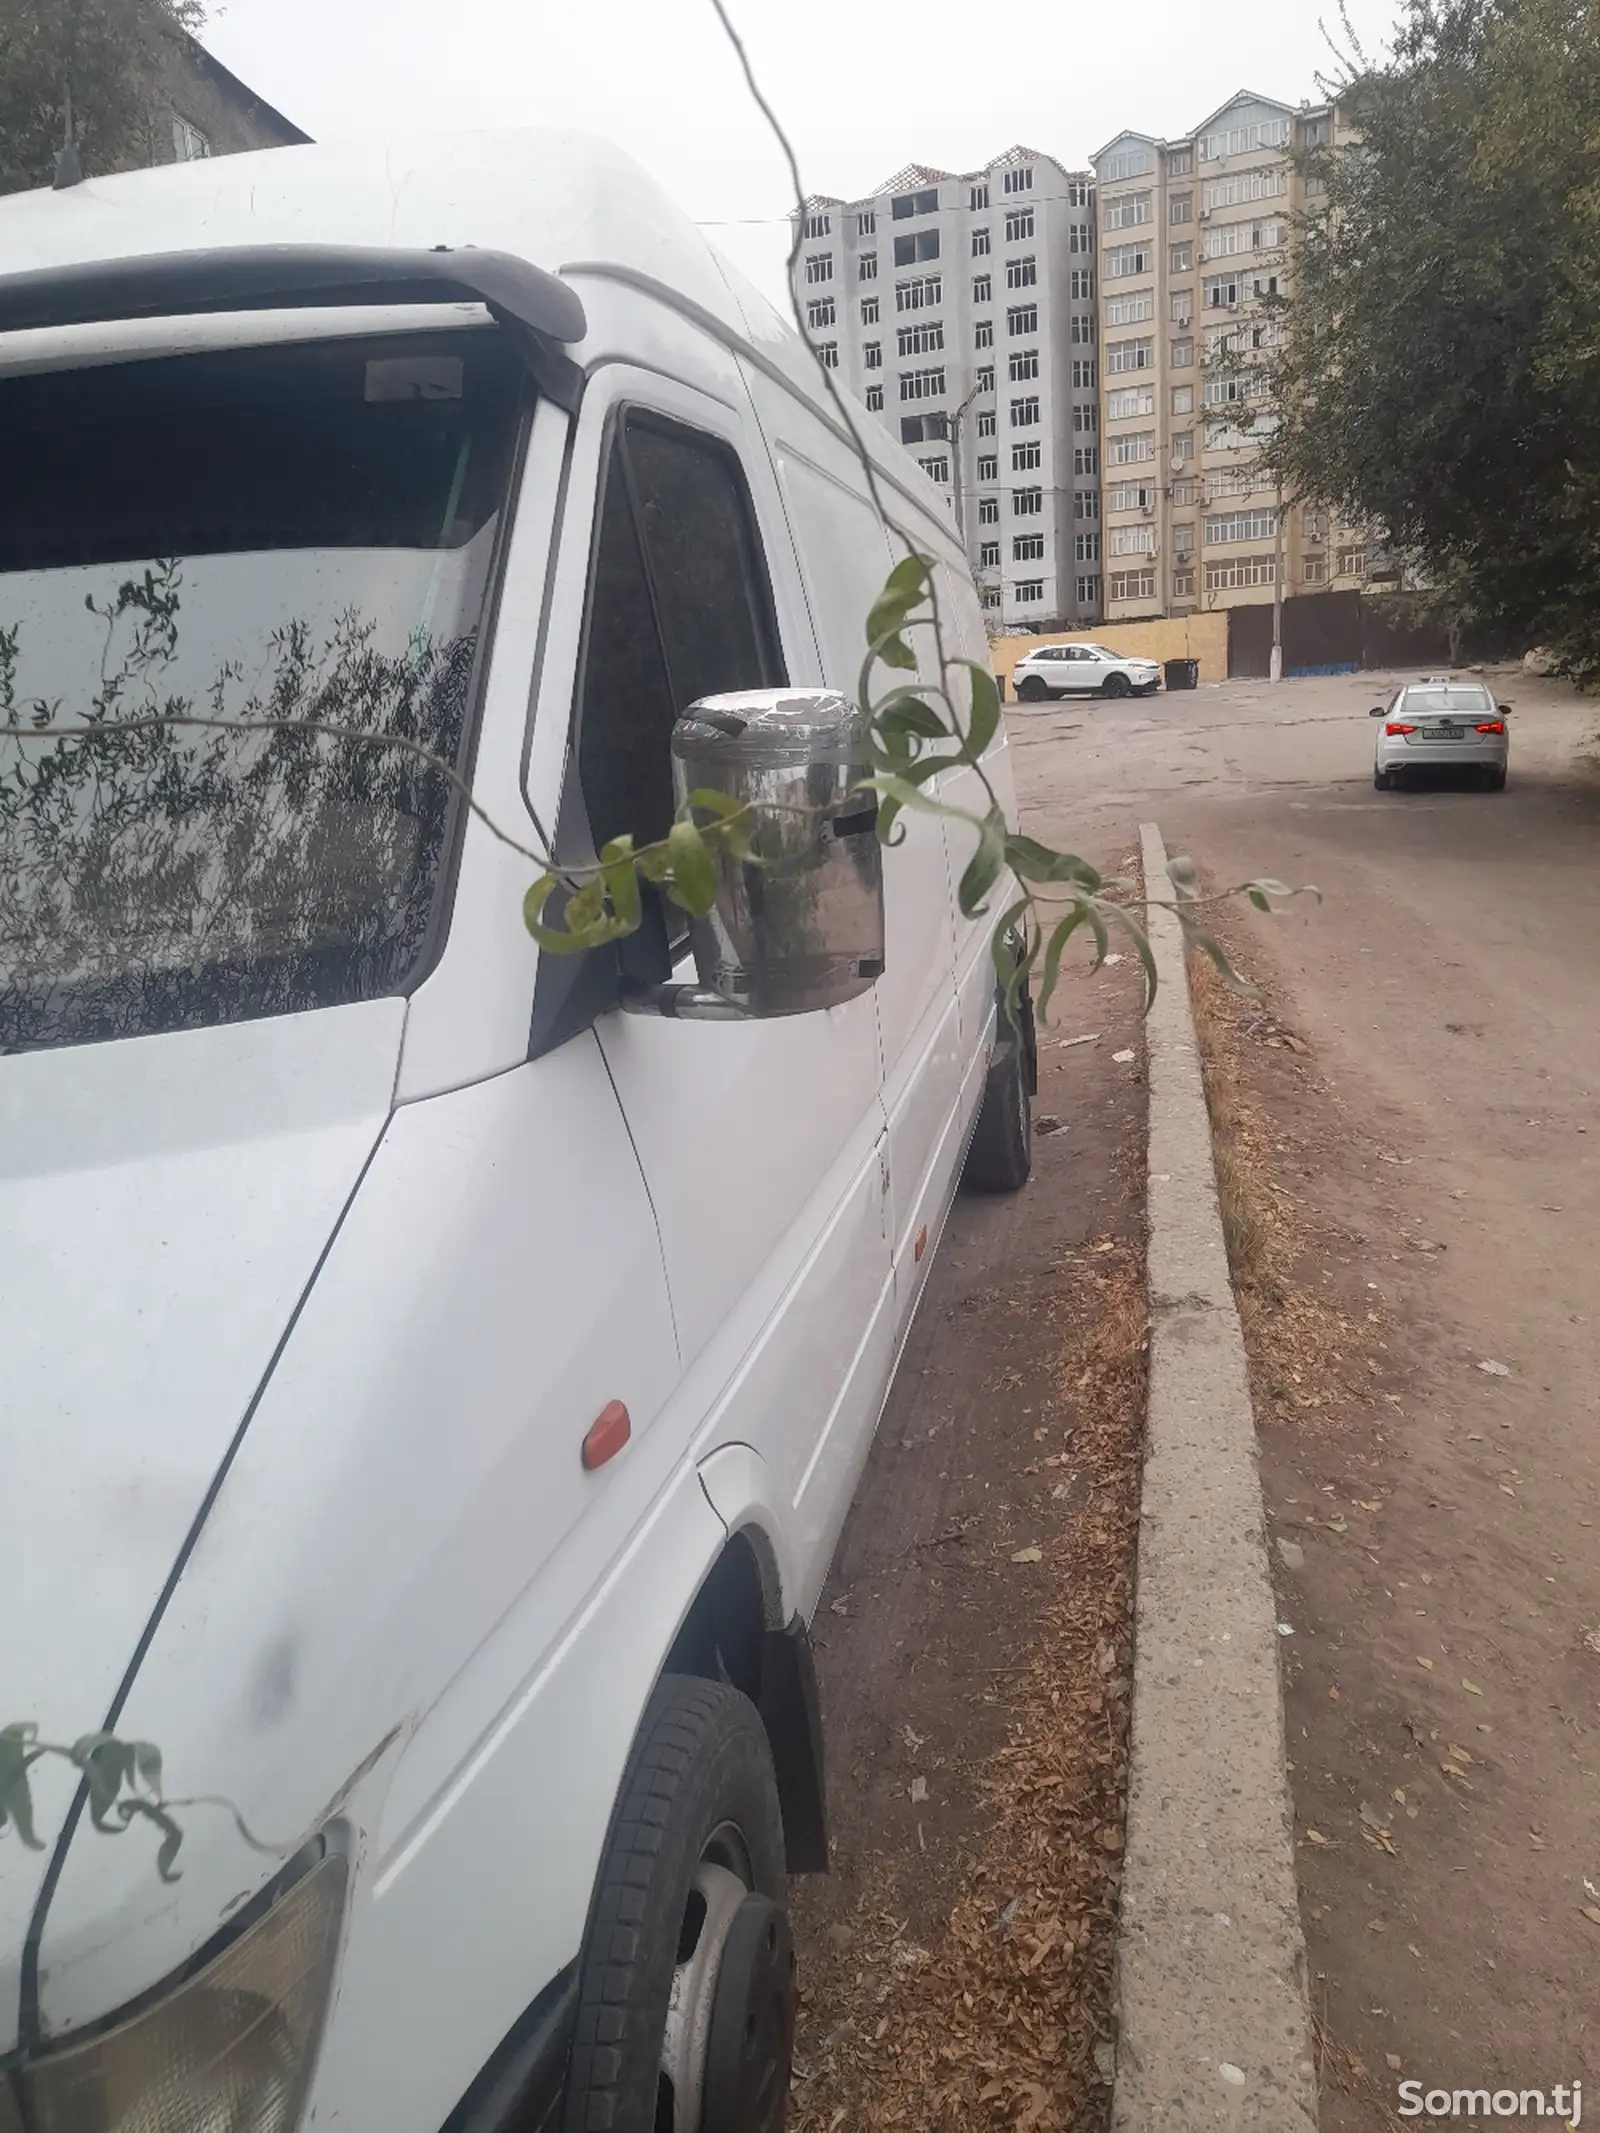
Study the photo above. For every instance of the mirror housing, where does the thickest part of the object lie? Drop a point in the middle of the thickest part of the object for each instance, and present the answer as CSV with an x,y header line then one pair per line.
x,y
1378,713
799,925
1502,709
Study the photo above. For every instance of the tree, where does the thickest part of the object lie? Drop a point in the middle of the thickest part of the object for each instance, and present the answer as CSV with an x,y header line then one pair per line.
x,y
81,73
1438,373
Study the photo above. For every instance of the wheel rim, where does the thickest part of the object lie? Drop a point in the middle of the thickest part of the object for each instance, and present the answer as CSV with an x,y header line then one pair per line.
x,y
725,2048
1117,685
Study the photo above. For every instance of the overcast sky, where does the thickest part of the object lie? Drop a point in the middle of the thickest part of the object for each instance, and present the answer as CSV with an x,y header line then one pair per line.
x,y
864,86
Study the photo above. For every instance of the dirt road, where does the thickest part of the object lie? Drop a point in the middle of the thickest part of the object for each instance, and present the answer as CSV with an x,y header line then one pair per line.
x,y
1416,1105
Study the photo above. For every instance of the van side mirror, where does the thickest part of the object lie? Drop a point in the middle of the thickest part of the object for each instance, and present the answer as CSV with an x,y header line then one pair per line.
x,y
798,925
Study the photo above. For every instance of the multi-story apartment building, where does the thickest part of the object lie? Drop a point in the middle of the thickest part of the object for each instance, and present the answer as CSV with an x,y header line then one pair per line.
x,y
1196,249
960,308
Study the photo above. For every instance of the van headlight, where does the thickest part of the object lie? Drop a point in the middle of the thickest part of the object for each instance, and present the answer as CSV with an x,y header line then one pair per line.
x,y
228,2049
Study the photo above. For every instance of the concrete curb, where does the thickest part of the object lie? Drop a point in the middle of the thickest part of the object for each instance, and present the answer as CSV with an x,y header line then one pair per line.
x,y
1214,2028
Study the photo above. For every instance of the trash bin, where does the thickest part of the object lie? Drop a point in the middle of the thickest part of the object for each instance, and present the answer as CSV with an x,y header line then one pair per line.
x,y
1183,673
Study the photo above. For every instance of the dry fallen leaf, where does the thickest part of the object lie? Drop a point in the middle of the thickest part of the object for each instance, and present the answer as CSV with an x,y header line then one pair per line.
x,y
1392,2061
1592,1913
1428,1663
1315,1836
1028,1555
1471,1687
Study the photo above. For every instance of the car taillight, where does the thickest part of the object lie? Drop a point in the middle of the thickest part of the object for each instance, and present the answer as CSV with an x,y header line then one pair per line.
x,y
1394,726
1493,725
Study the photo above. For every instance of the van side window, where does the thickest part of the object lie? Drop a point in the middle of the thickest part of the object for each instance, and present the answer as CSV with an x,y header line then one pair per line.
x,y
680,607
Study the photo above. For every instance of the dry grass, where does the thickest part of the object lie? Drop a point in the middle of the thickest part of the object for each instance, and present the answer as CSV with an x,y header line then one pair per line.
x,y
1003,2018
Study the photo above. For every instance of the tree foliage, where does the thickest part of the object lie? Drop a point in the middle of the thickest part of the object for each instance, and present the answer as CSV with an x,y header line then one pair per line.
x,y
90,66
1438,374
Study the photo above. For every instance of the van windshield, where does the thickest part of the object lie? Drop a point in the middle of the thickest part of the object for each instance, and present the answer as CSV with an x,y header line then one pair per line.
x,y
274,537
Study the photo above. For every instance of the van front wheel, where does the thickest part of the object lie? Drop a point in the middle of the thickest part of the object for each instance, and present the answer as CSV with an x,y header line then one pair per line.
x,y
686,1993
1000,1158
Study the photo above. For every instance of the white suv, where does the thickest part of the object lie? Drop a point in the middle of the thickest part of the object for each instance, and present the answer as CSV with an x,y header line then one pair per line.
x,y
1082,670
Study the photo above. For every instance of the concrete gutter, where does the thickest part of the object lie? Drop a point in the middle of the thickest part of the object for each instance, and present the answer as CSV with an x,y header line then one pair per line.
x,y
1214,2029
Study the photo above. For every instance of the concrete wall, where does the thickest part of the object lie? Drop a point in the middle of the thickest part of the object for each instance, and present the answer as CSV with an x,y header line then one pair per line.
x,y
1202,637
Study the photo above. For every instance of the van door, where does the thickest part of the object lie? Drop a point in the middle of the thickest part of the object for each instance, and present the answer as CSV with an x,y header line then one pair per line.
x,y
762,1143
846,555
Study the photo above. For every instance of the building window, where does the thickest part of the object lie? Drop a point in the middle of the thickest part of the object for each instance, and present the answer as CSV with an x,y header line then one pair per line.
x,y
1183,542
1083,331
1314,133
1182,448
989,512
1129,401
1180,207
1180,162
867,224
874,399
986,423
983,333
1079,192
1180,307
1019,225
1085,373
1130,355
906,205
819,267
1125,259
1243,237
1080,237
1182,354
924,295
867,267
922,384
1024,457
869,311
1020,180
1081,285
872,355
1027,548
989,555
1086,459
1126,163
1183,585
820,313
1025,413
1086,504
1315,571
1089,592
1086,420
1133,496
828,354
1133,585
1234,388
1230,481
1134,448
988,466
1022,364
1244,140
1022,318
1316,524
978,198
923,429
1125,212
926,339
1130,310
1086,547
1180,257
190,145
935,469
985,378
818,225
1241,570
1244,186
911,251
1027,503
980,244
1352,562
1028,592
991,602
1022,273
1133,540
1183,399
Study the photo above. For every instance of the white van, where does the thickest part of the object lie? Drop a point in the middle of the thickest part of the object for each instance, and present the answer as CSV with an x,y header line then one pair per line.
x,y
435,1373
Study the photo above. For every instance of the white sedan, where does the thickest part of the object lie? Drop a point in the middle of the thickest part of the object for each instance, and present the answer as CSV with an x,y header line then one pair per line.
x,y
1440,723
1082,670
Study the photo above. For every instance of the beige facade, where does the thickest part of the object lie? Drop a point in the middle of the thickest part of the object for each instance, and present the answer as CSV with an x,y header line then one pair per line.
x,y
1195,252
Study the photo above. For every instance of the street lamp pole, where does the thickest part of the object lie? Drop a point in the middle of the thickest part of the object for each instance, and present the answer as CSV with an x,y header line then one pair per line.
x,y
1275,664
955,421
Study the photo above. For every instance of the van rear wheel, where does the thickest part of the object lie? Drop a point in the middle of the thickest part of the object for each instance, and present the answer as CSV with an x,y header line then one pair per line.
x,y
1000,1158
686,1993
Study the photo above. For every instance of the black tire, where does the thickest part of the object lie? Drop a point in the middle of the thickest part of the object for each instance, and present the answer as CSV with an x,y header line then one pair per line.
x,y
699,1786
1383,780
1000,1157
1116,685
1496,781
1031,690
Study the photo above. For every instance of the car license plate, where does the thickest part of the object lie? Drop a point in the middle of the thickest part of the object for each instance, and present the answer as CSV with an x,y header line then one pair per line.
x,y
1445,733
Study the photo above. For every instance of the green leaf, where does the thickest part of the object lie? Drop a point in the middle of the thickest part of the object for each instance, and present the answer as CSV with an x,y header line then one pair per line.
x,y
909,714
1032,861
1210,946
1061,933
899,789
892,648
621,886
982,870
1182,874
1141,946
694,874
903,590
983,721
555,940
734,821
1011,967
